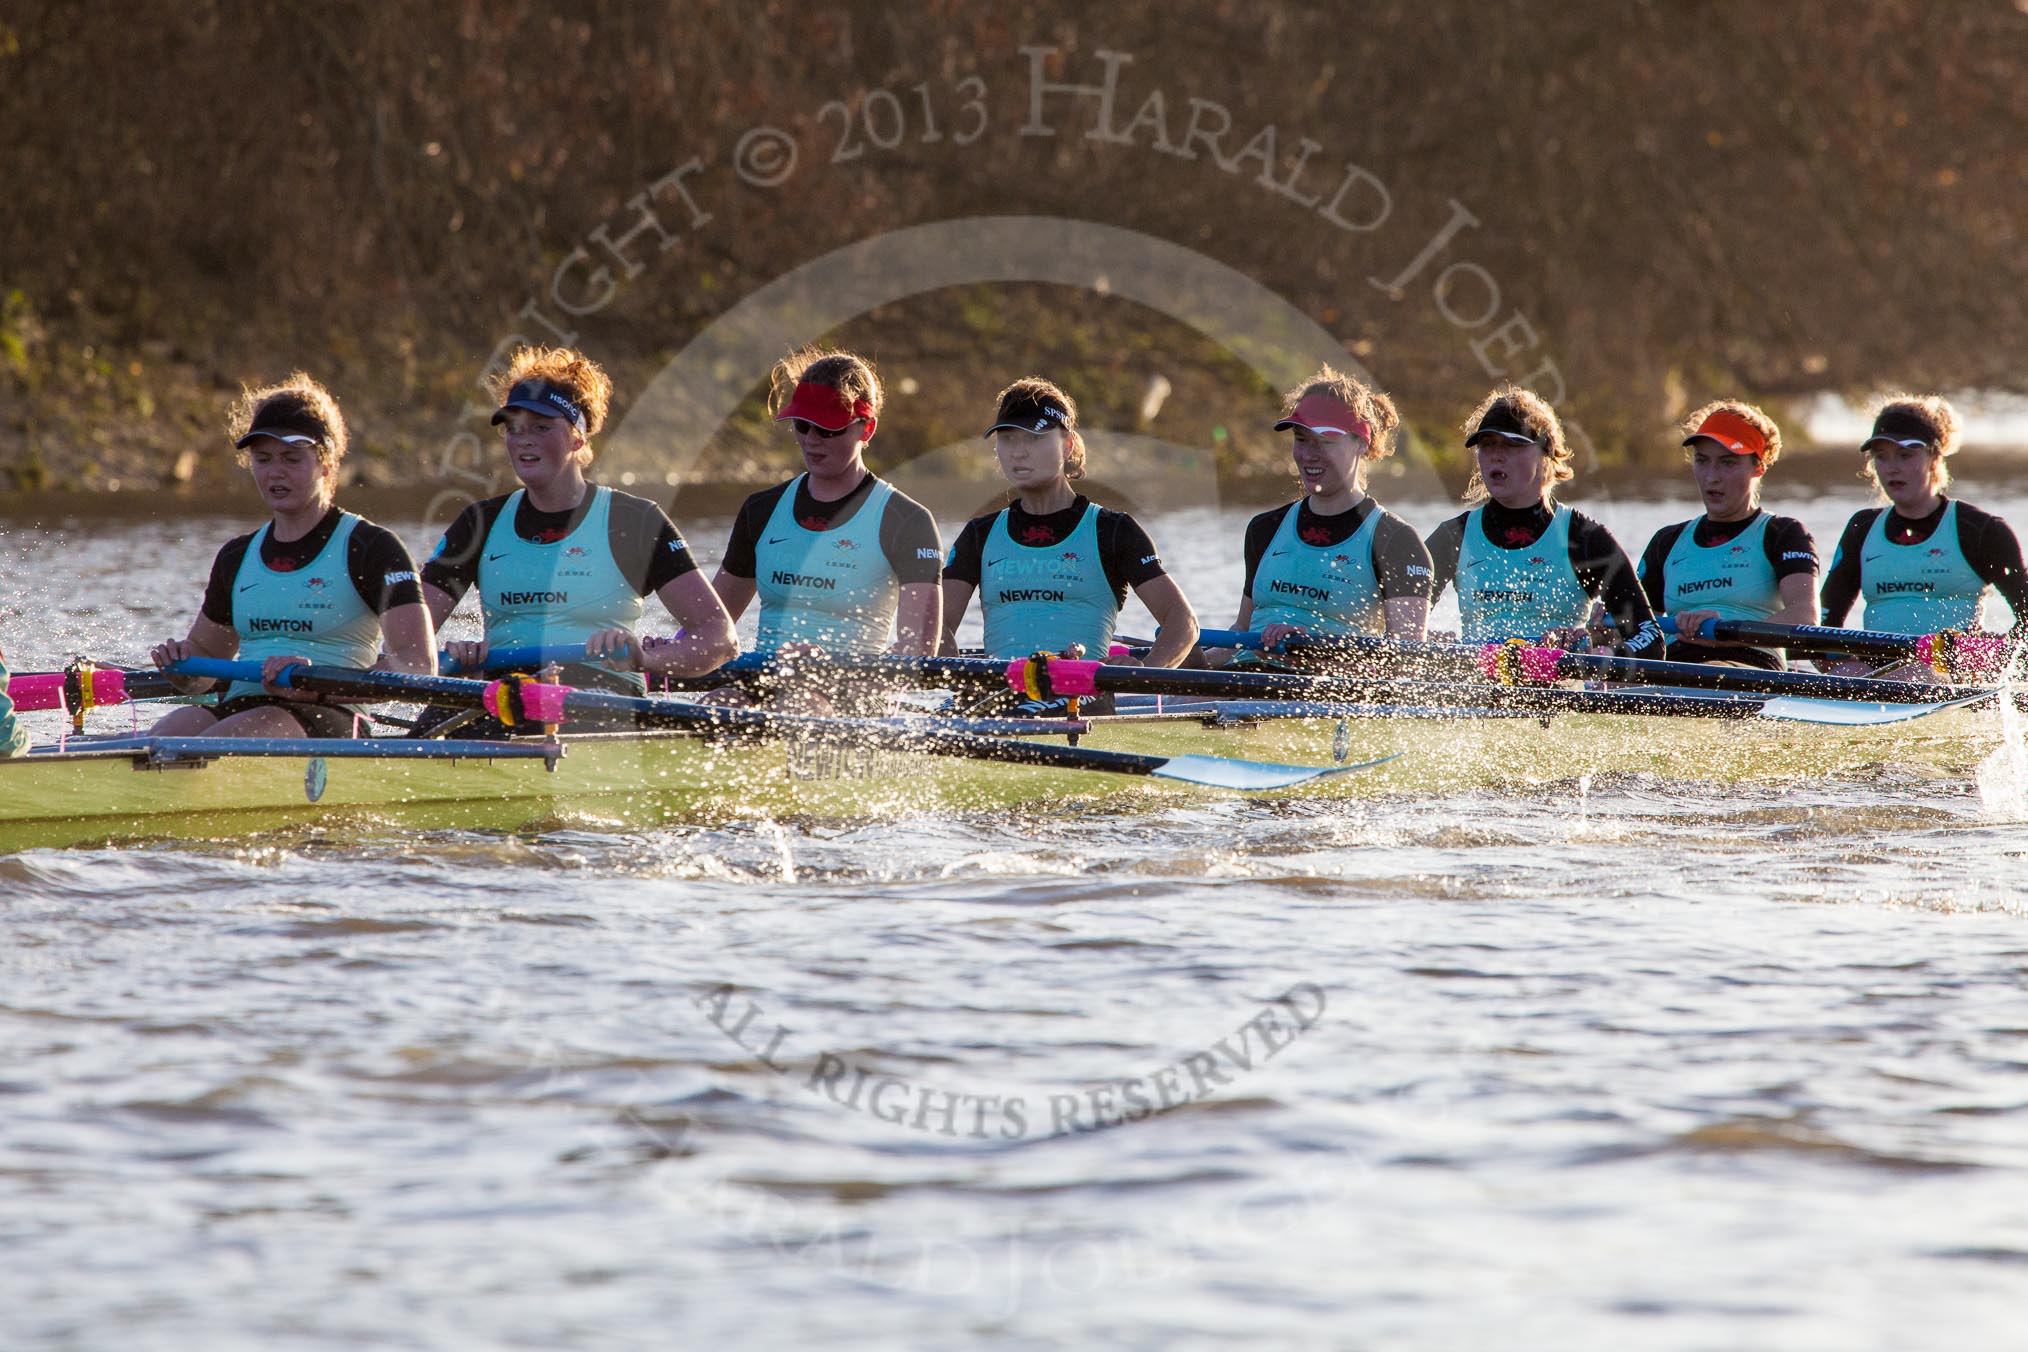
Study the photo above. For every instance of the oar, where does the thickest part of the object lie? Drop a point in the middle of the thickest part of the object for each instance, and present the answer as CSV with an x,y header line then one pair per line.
x,y
1521,663
521,701
1062,677
85,687
1944,652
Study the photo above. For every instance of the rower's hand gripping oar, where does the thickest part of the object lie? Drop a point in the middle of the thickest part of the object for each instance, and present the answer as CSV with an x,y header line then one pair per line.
x,y
516,701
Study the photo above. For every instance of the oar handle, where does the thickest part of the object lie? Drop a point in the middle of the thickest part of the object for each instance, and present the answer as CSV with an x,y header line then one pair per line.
x,y
1970,651
49,689
85,688
222,669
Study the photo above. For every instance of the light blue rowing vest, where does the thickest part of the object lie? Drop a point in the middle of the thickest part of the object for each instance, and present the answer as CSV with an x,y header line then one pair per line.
x,y
1043,599
534,594
833,588
1919,588
1327,589
1735,578
313,612
1513,593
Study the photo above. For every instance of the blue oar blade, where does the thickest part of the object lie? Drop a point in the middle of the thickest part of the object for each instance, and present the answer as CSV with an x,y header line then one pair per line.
x,y
1851,714
1218,772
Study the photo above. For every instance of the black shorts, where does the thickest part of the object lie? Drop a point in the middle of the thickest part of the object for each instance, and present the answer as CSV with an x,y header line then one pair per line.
x,y
317,720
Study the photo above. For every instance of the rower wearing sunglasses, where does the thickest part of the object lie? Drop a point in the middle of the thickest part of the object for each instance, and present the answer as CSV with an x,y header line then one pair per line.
x,y
1334,561
1924,563
841,560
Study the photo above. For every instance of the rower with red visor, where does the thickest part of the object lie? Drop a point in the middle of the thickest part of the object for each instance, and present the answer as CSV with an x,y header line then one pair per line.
x,y
1737,561
840,559
1334,562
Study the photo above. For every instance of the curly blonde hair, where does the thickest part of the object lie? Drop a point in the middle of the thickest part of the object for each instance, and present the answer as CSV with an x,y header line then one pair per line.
x,y
571,371
1369,405
1035,387
1770,433
298,401
846,372
1933,409
1533,412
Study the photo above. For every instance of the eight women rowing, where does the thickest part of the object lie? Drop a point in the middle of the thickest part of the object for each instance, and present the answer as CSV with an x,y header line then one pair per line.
x,y
842,562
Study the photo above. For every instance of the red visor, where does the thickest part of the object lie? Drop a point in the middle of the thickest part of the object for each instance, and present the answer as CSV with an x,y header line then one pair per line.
x,y
1732,432
824,405
1319,412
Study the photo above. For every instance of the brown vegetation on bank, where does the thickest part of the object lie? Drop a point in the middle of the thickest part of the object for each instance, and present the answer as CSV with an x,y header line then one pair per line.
x,y
1677,201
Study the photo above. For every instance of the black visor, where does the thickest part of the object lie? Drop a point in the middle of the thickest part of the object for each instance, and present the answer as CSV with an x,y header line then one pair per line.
x,y
1029,413
539,396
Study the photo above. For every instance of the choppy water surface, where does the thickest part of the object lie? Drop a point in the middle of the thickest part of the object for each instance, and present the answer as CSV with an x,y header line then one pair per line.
x,y
1626,1063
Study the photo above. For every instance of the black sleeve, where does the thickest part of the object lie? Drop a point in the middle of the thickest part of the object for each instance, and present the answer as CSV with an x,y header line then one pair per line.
x,y
746,531
1260,533
1654,563
1841,584
1790,547
1401,561
1994,552
1445,543
645,545
908,537
1129,556
1603,569
217,605
382,572
453,567
966,561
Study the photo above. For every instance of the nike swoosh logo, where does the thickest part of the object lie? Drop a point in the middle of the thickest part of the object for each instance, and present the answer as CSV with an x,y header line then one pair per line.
x,y
495,558
1475,563
776,539
249,586
1276,553
1872,558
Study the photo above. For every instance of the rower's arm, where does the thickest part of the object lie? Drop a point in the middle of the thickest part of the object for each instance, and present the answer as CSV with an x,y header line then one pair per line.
x,y
1841,583
440,602
1171,609
1407,616
1445,543
918,620
705,640
409,640
957,595
735,593
1406,576
1799,599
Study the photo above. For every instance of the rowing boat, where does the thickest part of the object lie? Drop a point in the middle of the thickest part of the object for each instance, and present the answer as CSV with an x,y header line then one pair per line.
x,y
96,789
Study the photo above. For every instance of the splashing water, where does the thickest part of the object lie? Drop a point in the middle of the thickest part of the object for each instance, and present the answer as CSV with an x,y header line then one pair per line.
x,y
2002,777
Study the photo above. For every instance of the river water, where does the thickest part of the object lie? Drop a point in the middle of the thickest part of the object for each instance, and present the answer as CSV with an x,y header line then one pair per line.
x,y
1635,1063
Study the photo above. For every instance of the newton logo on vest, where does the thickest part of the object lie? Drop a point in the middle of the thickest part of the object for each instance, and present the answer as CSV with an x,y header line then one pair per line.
x,y
574,552
1069,556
